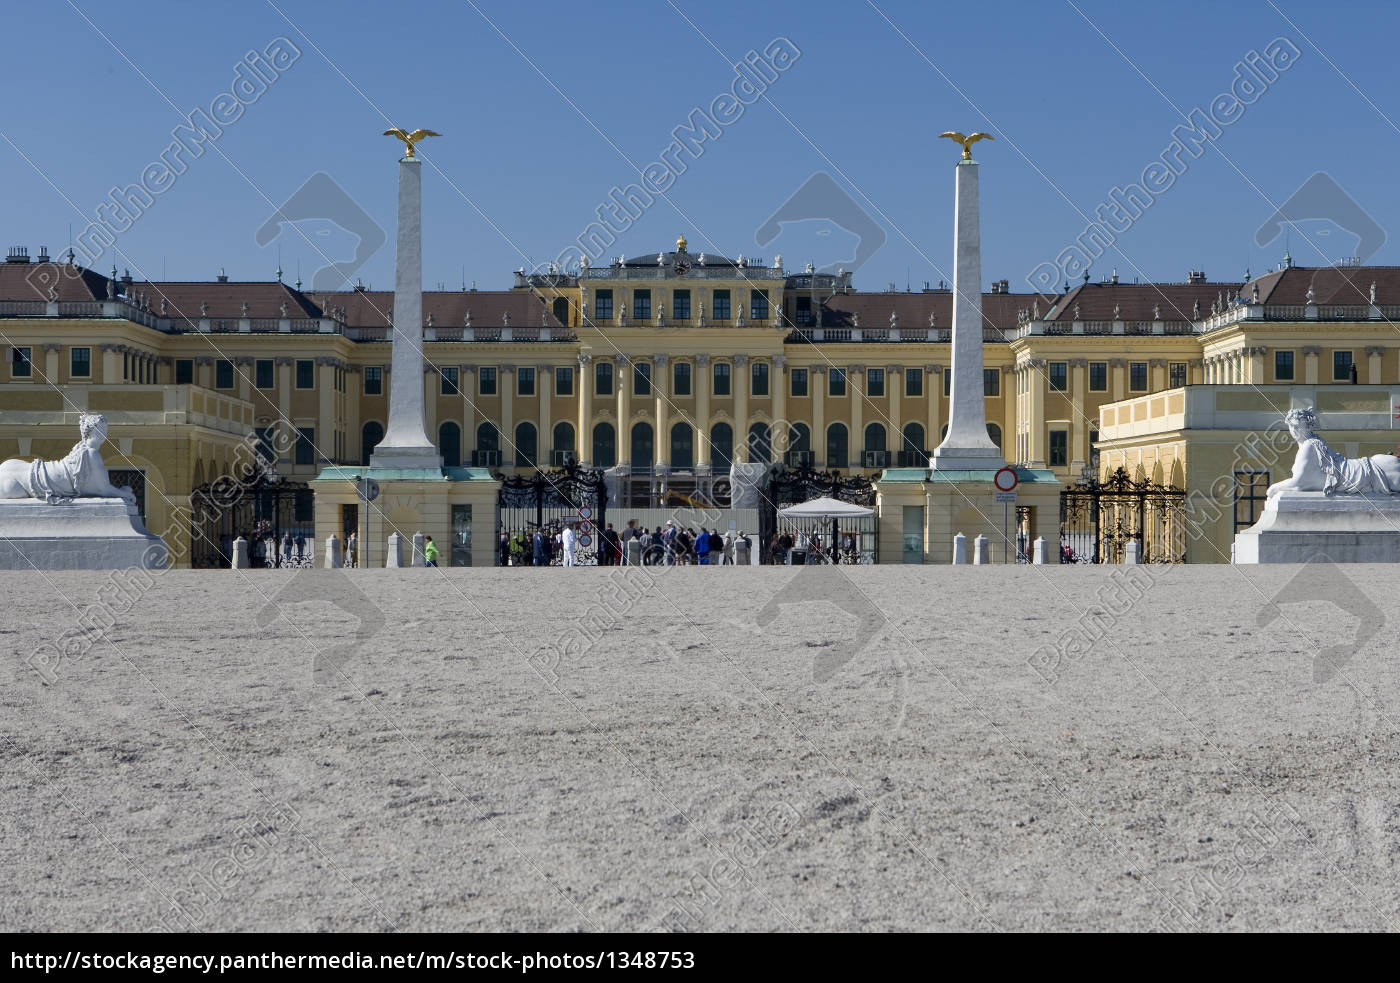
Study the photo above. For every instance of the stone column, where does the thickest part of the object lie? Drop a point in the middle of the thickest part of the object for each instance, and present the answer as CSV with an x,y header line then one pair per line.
x,y
739,383
894,385
967,446
467,373
933,391
778,386
1039,433
1374,353
406,443
544,386
626,379
855,385
704,382
1156,375
1310,355
203,368
283,367
243,369
325,404
817,386
1117,383
51,363
505,385
1079,426
660,385
585,412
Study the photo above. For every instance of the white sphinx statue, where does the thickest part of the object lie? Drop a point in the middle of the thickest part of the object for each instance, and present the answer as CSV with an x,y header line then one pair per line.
x,y
79,475
1319,468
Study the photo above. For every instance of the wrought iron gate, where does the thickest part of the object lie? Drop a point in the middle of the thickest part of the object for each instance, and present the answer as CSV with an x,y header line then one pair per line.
x,y
276,517
1099,519
546,500
792,486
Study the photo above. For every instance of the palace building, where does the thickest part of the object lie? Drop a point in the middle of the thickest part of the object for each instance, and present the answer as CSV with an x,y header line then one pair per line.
x,y
667,367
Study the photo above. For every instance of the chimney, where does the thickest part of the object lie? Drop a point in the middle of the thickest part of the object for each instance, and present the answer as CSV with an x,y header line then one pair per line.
x,y
43,254
222,277
1196,276
18,254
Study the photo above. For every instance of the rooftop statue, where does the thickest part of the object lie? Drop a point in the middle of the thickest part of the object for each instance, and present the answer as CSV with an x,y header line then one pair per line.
x,y
966,141
1319,468
79,475
410,139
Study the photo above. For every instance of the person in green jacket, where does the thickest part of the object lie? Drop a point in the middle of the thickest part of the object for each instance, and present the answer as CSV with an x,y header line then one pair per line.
x,y
430,552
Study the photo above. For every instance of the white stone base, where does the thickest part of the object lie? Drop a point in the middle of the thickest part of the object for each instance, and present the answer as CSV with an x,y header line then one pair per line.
x,y
1298,527
966,459
406,457
84,534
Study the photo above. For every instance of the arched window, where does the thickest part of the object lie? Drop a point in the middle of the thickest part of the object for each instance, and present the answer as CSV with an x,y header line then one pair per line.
x,y
721,447
527,448
488,446
875,437
450,444
994,432
563,442
914,437
643,453
682,446
836,446
370,436
604,446
799,442
561,310
760,444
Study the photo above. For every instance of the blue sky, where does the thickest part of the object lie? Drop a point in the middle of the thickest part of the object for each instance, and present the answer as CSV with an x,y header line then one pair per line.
x,y
545,107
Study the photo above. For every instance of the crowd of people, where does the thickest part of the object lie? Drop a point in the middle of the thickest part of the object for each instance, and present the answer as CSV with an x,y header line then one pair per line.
x,y
669,545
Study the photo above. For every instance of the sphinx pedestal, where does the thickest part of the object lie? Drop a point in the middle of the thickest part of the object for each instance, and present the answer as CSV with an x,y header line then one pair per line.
x,y
1298,527
84,534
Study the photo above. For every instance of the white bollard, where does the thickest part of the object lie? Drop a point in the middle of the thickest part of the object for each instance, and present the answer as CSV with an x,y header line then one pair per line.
x,y
420,548
959,548
394,557
981,551
1132,552
333,552
240,554
741,552
634,552
1039,548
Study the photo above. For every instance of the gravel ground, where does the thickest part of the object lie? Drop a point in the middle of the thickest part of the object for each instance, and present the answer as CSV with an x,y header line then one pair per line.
x,y
869,749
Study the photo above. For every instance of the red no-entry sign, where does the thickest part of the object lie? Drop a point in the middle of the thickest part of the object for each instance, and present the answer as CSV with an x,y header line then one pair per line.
x,y
1006,480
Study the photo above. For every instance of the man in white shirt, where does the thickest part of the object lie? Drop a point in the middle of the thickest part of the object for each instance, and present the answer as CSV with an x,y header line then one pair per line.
x,y
568,546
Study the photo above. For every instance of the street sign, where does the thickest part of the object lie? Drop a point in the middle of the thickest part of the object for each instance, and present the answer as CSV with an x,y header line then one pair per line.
x,y
1006,480
585,527
585,540
1008,497
585,512
368,489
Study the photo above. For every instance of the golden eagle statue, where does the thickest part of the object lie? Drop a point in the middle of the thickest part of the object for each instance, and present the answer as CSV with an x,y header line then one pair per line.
x,y
410,138
966,141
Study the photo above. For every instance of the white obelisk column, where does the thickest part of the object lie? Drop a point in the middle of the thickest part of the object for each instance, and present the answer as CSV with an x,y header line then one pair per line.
x,y
967,446
406,443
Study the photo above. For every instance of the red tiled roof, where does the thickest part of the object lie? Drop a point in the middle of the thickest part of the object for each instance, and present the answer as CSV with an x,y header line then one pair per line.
x,y
1344,285
31,281
375,308
1141,301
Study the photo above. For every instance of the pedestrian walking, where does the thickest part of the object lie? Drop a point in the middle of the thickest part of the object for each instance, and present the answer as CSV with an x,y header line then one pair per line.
x,y
567,538
430,552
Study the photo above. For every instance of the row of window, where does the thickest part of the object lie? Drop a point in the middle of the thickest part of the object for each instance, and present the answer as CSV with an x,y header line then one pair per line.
x,y
720,300
1342,366
79,362
1057,374
794,445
